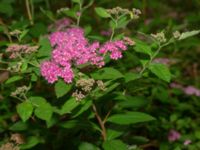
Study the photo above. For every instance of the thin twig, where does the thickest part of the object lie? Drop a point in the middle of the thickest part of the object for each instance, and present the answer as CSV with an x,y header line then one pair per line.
x,y
101,123
29,12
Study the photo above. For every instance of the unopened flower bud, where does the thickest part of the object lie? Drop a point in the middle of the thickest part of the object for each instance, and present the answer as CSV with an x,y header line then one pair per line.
x,y
176,34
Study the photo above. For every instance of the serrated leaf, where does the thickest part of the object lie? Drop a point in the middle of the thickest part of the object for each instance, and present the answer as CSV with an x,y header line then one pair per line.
x,y
114,145
142,47
25,110
107,73
130,118
188,34
37,101
44,111
102,12
161,71
61,88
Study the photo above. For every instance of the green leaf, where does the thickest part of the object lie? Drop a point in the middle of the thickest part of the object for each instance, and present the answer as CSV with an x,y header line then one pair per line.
x,y
69,124
132,101
83,108
38,29
30,142
76,1
112,134
37,101
142,47
23,34
25,110
188,34
69,106
107,73
6,8
130,118
122,22
161,71
102,12
131,77
114,145
19,126
87,146
61,88
44,111
45,48
13,79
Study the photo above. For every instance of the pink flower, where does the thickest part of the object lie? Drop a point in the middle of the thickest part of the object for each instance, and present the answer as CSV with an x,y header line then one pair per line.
x,y
50,71
190,90
173,135
187,142
176,85
71,48
115,48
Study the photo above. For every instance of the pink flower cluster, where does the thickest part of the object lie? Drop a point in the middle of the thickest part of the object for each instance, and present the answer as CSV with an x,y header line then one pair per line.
x,y
72,48
189,90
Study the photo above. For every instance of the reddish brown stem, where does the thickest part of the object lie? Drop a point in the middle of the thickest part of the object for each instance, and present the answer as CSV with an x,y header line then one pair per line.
x,y
101,122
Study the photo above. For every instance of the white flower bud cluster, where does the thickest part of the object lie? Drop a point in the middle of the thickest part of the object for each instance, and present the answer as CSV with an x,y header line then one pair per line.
x,y
160,37
19,91
85,86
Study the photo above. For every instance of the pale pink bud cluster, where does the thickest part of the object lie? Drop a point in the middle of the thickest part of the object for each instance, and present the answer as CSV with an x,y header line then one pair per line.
x,y
106,32
188,90
173,135
60,25
72,48
17,50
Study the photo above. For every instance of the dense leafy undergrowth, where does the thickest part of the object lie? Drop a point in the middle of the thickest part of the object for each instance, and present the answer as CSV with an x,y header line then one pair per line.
x,y
91,75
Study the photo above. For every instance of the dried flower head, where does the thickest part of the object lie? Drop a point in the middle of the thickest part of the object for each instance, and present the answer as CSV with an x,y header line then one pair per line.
x,y
128,41
101,85
160,37
85,84
118,11
78,95
9,146
20,90
16,67
17,50
62,10
17,138
15,32
176,34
